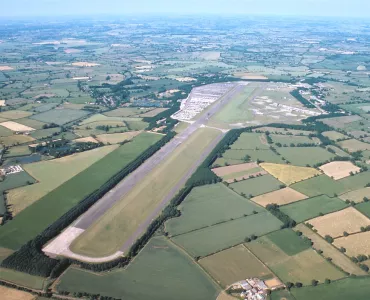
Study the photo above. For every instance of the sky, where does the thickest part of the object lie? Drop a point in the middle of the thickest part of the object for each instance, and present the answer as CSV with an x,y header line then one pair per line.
x,y
30,8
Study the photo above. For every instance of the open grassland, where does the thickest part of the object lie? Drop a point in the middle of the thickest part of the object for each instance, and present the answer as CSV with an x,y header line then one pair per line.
x,y
288,241
159,272
209,205
60,116
364,207
305,266
100,118
349,288
109,233
15,139
341,122
325,185
291,139
234,264
338,258
136,124
289,174
251,141
356,195
44,133
334,135
256,186
310,208
301,267
303,156
233,157
12,294
153,113
4,253
338,151
354,145
339,169
17,151
52,173
212,239
355,244
115,138
280,197
15,114
281,295
348,220
5,131
22,279
127,112
29,222
284,131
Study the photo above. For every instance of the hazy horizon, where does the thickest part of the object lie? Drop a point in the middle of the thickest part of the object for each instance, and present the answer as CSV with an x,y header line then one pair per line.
x,y
319,8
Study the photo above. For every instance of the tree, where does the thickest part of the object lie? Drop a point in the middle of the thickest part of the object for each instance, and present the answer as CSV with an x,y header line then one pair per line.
x,y
327,281
298,284
314,282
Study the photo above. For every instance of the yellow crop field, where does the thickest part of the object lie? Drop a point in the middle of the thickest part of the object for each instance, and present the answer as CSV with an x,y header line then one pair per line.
x,y
348,220
14,126
51,174
12,294
339,169
355,244
289,174
280,197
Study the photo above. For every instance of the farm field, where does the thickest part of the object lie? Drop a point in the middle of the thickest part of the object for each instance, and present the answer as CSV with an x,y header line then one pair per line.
x,y
31,123
354,145
305,156
349,288
364,207
334,135
17,127
127,112
115,138
288,140
16,139
338,258
289,174
15,114
110,232
280,197
160,272
251,141
355,244
310,208
12,294
356,195
281,295
48,179
256,186
23,279
17,151
339,169
348,220
215,201
212,239
239,172
233,157
60,200
234,264
44,133
60,116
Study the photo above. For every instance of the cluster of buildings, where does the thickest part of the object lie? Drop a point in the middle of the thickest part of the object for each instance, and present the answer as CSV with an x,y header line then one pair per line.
x,y
200,98
253,289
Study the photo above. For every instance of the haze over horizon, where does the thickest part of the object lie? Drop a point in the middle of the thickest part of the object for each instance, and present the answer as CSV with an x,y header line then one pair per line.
x,y
33,8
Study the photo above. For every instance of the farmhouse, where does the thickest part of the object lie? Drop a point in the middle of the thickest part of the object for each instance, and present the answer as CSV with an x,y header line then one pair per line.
x,y
253,289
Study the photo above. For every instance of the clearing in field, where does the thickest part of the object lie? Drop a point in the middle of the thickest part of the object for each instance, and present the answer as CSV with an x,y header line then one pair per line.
x,y
209,205
16,126
354,145
357,195
349,220
215,238
12,294
338,258
256,186
355,244
234,264
289,174
305,156
60,200
339,169
88,139
115,138
6,68
310,208
85,64
160,272
15,114
109,233
48,179
280,197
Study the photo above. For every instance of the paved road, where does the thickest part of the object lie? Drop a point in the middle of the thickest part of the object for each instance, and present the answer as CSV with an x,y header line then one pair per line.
x,y
127,184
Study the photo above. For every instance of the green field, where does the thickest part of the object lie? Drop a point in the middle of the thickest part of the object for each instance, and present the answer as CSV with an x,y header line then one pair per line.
x,y
208,205
126,112
280,295
159,272
325,185
109,232
288,241
29,222
212,239
23,279
44,133
289,139
251,141
356,195
364,208
349,288
60,116
313,207
256,186
302,156
15,114
17,151
262,155
334,135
